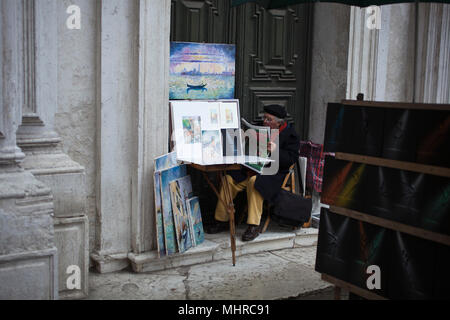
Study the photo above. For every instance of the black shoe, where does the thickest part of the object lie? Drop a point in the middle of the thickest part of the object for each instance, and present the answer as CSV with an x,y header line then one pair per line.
x,y
217,227
251,233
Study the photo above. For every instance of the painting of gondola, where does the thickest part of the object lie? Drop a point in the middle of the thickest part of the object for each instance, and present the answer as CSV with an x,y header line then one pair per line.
x,y
180,191
201,71
166,176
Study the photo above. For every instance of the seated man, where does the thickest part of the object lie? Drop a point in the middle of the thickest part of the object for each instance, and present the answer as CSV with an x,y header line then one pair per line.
x,y
261,187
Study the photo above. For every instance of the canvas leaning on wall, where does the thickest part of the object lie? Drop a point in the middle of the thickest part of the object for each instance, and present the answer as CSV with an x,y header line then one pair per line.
x,y
177,227
161,163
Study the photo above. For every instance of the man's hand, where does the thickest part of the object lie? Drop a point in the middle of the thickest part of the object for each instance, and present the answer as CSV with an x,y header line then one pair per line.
x,y
271,146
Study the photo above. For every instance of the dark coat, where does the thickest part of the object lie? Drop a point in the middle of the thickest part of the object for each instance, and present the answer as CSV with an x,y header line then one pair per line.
x,y
269,185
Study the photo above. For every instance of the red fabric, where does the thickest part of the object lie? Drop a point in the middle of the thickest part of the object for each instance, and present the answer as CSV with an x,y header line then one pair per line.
x,y
316,162
283,126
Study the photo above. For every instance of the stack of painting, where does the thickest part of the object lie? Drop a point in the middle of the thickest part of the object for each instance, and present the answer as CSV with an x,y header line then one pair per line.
x,y
178,215
198,127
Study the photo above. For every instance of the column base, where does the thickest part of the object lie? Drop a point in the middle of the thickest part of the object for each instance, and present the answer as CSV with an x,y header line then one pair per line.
x,y
105,263
29,275
72,241
65,177
28,258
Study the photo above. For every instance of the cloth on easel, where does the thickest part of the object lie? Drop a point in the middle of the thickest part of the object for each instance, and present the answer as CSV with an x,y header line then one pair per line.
x,y
316,161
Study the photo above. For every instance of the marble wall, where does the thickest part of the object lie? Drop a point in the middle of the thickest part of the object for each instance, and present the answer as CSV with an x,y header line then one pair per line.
x,y
76,114
407,59
329,63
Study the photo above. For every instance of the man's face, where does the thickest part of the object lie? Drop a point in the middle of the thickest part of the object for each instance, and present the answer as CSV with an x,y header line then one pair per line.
x,y
271,121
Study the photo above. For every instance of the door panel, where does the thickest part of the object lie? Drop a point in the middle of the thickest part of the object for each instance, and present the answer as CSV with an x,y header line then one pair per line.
x,y
200,21
274,62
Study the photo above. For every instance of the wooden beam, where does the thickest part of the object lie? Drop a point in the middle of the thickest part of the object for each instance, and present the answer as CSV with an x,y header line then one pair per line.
x,y
352,288
393,225
395,164
215,168
397,105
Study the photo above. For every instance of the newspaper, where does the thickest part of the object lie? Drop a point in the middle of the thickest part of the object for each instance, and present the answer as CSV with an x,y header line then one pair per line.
x,y
262,156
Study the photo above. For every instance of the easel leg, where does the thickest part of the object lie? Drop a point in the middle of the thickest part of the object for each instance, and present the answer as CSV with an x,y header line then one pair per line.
x,y
230,210
337,293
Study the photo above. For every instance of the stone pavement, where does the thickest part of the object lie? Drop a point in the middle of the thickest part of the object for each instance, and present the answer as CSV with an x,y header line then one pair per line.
x,y
265,274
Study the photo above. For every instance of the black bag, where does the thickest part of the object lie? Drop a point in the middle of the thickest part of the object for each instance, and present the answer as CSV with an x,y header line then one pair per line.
x,y
291,209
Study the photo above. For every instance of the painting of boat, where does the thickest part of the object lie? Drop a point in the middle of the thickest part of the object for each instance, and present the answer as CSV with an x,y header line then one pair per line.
x,y
201,71
201,87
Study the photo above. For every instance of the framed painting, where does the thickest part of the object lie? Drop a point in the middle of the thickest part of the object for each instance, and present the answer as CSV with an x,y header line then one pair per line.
x,y
201,71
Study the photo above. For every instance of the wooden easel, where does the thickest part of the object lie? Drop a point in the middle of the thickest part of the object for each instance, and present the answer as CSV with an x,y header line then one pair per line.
x,y
227,201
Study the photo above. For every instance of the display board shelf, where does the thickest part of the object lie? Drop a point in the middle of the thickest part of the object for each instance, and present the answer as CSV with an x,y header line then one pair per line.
x,y
397,105
389,135
393,225
395,164
340,284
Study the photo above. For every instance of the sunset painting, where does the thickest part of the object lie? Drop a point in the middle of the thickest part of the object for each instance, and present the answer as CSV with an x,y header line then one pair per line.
x,y
201,71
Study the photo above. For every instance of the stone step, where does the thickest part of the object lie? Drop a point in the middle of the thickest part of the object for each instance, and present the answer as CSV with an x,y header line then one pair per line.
x,y
217,247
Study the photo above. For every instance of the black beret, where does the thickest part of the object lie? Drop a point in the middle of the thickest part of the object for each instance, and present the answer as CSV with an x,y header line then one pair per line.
x,y
276,110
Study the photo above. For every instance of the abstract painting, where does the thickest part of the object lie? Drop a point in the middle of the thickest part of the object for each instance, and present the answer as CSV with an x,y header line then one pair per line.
x,y
192,130
180,191
195,214
169,229
211,146
201,71
229,115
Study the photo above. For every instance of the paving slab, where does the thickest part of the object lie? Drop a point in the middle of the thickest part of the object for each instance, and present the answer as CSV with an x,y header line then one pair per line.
x,y
256,276
127,285
277,274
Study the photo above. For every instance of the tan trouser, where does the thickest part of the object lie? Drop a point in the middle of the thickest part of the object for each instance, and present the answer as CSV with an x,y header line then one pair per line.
x,y
254,200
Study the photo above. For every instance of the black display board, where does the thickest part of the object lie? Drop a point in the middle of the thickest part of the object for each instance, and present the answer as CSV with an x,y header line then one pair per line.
x,y
388,188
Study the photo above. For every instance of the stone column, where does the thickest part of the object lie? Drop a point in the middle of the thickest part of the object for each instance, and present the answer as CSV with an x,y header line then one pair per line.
x,y
152,116
133,122
407,59
433,53
28,257
381,61
153,129
41,144
329,63
117,121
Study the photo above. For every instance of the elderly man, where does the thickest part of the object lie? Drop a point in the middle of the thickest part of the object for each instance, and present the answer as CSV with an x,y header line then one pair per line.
x,y
261,187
